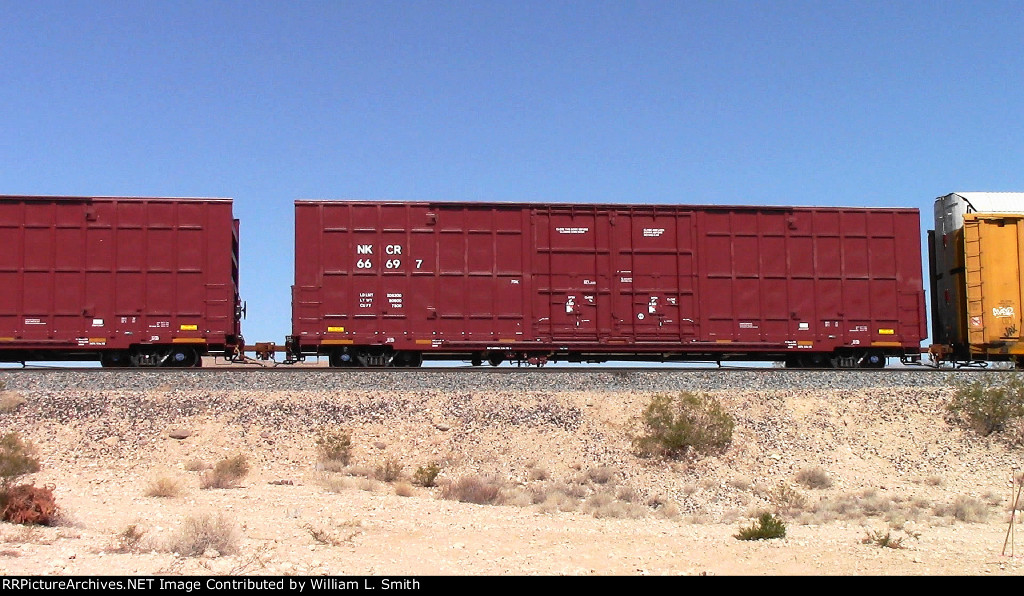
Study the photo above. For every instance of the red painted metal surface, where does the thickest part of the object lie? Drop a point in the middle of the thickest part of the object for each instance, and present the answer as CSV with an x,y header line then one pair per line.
x,y
581,282
82,277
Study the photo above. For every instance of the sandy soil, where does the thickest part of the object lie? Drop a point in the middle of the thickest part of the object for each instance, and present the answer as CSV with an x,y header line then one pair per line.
x,y
578,500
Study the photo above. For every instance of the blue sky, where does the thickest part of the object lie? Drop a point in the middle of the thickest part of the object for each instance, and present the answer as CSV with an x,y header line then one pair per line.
x,y
788,102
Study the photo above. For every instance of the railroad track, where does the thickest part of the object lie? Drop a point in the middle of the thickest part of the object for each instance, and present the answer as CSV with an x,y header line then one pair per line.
x,y
501,370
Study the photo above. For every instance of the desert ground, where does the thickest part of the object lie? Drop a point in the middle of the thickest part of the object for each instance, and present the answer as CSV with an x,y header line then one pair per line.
x,y
870,474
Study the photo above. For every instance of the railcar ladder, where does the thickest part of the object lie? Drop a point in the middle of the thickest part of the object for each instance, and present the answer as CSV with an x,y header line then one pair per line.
x,y
974,281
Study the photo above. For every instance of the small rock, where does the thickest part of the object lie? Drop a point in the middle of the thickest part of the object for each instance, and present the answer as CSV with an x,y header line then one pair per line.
x,y
179,433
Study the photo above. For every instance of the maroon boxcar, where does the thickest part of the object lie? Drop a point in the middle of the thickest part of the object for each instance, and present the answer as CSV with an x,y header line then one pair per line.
x,y
383,282
126,281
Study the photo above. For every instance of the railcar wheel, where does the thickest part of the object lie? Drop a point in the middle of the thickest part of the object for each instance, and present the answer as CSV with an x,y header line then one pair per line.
x,y
339,358
495,358
873,360
114,359
407,359
816,361
183,357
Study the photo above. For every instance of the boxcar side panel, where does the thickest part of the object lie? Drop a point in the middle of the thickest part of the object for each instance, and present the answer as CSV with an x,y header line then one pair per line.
x,y
578,280
86,275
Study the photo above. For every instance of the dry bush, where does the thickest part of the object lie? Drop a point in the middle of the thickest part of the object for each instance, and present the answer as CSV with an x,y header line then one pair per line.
x,y
868,504
337,484
196,465
389,470
887,540
627,494
163,486
367,484
334,447
17,459
226,473
537,472
28,504
668,511
10,401
604,506
515,496
600,474
814,478
472,489
129,540
403,489
201,533
336,536
555,501
788,499
740,483
965,509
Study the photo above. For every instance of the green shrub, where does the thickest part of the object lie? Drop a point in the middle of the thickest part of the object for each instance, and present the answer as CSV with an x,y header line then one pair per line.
x,y
988,404
766,527
674,426
427,475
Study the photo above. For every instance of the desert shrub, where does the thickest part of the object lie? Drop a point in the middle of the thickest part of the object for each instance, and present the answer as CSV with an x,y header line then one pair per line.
x,y
334,446
17,459
403,489
815,478
163,487
129,540
472,489
28,504
343,534
886,540
10,400
603,505
389,471
787,499
965,509
204,532
196,465
988,405
427,475
766,527
600,474
226,473
673,426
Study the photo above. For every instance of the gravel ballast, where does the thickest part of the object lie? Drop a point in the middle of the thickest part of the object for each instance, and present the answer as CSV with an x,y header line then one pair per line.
x,y
557,443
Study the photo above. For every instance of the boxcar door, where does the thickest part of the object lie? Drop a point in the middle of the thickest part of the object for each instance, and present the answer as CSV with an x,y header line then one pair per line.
x,y
568,244
654,296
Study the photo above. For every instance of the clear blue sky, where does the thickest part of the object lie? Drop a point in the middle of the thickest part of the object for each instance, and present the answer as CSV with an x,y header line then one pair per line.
x,y
753,102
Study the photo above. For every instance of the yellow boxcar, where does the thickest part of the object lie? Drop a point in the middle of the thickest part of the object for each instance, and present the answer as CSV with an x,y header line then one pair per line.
x,y
993,253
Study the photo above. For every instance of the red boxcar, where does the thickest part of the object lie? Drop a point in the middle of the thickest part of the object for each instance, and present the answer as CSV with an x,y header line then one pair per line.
x,y
127,281
381,283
